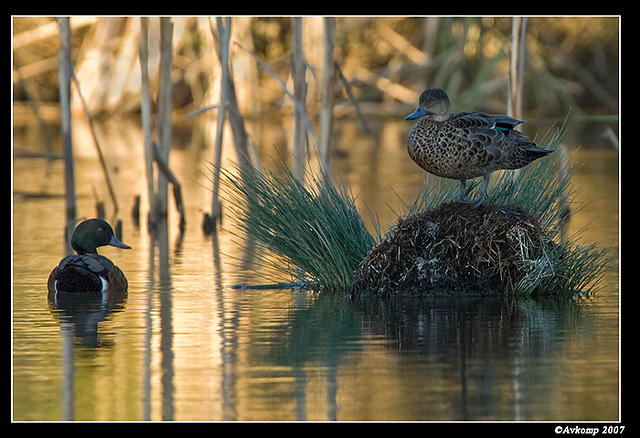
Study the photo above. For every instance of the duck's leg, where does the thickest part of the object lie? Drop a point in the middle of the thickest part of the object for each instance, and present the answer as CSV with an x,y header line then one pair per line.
x,y
483,192
463,184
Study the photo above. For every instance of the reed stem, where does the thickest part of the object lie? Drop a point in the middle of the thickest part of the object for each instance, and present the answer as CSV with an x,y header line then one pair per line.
x,y
328,91
145,115
164,117
65,110
224,33
298,72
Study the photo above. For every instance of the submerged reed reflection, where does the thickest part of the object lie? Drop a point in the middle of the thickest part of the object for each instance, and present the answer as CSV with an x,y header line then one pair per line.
x,y
163,291
476,340
478,357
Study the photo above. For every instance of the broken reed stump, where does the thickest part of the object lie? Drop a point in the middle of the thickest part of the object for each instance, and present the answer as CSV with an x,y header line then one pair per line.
x,y
453,249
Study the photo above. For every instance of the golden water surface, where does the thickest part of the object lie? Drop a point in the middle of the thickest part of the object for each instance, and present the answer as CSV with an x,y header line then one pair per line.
x,y
185,346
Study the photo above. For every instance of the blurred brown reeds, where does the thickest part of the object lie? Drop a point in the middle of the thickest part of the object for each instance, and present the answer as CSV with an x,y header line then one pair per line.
x,y
386,60
248,67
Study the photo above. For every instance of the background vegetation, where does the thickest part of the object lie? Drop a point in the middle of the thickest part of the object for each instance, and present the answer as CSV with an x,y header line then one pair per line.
x,y
383,64
570,62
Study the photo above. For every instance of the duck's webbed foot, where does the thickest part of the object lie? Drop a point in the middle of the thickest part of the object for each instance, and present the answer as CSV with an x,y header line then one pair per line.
x,y
476,203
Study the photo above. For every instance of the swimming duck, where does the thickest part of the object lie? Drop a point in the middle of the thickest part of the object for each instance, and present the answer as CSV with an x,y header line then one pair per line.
x,y
466,145
87,272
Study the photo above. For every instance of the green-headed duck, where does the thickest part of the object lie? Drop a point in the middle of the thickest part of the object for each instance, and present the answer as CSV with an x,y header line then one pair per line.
x,y
88,272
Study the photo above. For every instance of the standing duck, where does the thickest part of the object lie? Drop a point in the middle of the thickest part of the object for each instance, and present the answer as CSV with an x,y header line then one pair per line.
x,y
87,272
466,145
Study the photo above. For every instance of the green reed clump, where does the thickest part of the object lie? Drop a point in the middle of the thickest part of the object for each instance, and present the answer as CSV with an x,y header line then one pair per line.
x,y
318,237
314,230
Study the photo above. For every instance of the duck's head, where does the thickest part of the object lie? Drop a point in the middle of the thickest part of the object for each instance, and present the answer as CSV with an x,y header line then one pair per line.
x,y
91,234
433,103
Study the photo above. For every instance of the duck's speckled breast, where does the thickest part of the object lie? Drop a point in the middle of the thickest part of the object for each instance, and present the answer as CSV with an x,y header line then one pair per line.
x,y
443,151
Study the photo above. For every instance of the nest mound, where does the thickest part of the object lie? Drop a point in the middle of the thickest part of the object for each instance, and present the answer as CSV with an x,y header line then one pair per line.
x,y
452,249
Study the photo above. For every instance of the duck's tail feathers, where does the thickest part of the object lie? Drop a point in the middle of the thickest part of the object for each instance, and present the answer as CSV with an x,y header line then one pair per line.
x,y
537,150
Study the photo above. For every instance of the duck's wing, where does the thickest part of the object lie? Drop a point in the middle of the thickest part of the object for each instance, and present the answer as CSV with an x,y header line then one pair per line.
x,y
482,120
117,286
486,133
94,263
79,273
